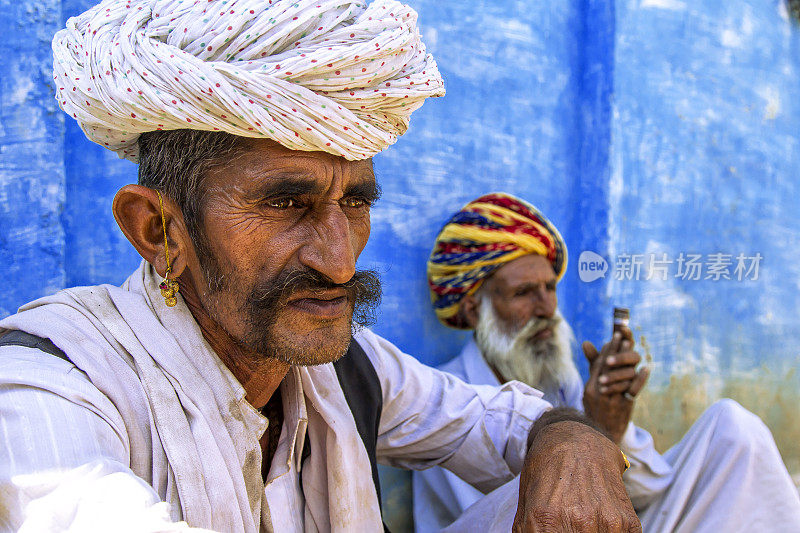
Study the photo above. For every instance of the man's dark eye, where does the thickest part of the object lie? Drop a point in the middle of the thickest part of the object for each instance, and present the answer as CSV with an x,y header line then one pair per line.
x,y
281,203
355,202
551,286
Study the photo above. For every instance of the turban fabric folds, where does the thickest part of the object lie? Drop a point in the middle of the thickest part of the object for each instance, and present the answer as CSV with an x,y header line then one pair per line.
x,y
480,238
330,75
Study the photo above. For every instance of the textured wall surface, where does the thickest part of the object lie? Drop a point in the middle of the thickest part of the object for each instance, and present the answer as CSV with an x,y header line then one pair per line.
x,y
704,160
639,127
32,185
96,250
509,122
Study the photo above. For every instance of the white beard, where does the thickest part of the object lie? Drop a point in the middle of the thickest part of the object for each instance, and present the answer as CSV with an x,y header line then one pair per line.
x,y
544,364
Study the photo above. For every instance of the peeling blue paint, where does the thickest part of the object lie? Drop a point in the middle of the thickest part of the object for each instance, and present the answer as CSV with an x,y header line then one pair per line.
x,y
705,159
31,165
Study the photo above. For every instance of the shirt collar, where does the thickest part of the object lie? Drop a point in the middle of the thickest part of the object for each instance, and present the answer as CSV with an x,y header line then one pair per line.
x,y
478,371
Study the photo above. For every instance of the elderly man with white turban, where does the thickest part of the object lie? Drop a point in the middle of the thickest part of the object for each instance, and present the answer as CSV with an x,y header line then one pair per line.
x,y
494,269
221,387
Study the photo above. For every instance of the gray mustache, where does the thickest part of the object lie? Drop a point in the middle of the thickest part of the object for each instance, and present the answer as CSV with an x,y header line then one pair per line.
x,y
363,291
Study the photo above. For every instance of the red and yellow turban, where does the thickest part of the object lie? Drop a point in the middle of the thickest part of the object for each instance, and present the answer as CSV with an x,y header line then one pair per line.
x,y
480,238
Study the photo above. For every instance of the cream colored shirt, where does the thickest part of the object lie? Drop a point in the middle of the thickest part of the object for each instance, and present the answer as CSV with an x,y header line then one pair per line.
x,y
98,454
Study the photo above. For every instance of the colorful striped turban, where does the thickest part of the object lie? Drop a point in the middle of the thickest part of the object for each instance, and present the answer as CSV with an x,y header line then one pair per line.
x,y
483,236
332,75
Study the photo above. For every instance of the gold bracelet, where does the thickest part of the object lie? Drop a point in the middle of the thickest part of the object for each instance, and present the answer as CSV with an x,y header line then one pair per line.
x,y
627,463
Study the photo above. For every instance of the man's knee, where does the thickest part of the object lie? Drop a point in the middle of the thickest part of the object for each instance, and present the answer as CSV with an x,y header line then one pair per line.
x,y
735,425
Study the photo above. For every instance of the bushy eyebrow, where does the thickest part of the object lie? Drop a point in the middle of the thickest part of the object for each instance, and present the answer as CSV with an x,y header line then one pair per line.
x,y
285,185
368,189
526,286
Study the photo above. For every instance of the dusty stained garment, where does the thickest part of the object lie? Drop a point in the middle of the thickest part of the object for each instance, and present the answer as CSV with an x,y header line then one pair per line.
x,y
167,436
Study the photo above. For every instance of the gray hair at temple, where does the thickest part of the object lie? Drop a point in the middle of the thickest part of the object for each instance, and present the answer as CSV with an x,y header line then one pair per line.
x,y
175,163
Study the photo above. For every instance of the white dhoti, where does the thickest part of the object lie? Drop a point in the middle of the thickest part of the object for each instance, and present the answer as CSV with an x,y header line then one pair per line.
x,y
729,477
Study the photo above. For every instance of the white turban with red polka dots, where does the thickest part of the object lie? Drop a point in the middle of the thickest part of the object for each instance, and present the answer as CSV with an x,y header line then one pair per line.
x,y
332,75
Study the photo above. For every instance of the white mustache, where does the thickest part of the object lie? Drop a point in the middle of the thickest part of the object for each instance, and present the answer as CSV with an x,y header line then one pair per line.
x,y
535,326
541,363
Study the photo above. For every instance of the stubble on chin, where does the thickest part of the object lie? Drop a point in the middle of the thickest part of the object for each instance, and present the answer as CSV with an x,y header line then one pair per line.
x,y
324,344
261,321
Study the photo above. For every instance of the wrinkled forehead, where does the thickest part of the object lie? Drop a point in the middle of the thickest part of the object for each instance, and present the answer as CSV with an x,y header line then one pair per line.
x,y
528,269
263,162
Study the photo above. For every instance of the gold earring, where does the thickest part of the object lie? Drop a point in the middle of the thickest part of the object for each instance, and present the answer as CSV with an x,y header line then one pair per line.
x,y
169,287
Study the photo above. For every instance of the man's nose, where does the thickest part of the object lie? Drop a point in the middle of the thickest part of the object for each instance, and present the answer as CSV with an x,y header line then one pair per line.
x,y
330,248
545,303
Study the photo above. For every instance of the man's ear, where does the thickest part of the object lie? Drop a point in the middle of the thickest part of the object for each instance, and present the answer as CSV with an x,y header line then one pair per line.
x,y
139,214
469,310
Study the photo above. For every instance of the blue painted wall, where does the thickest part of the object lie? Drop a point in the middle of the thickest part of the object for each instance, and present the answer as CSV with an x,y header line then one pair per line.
x,y
509,122
705,159
32,181
638,126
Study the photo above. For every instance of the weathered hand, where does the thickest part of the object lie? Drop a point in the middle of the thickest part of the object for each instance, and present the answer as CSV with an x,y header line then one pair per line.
x,y
608,397
572,481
